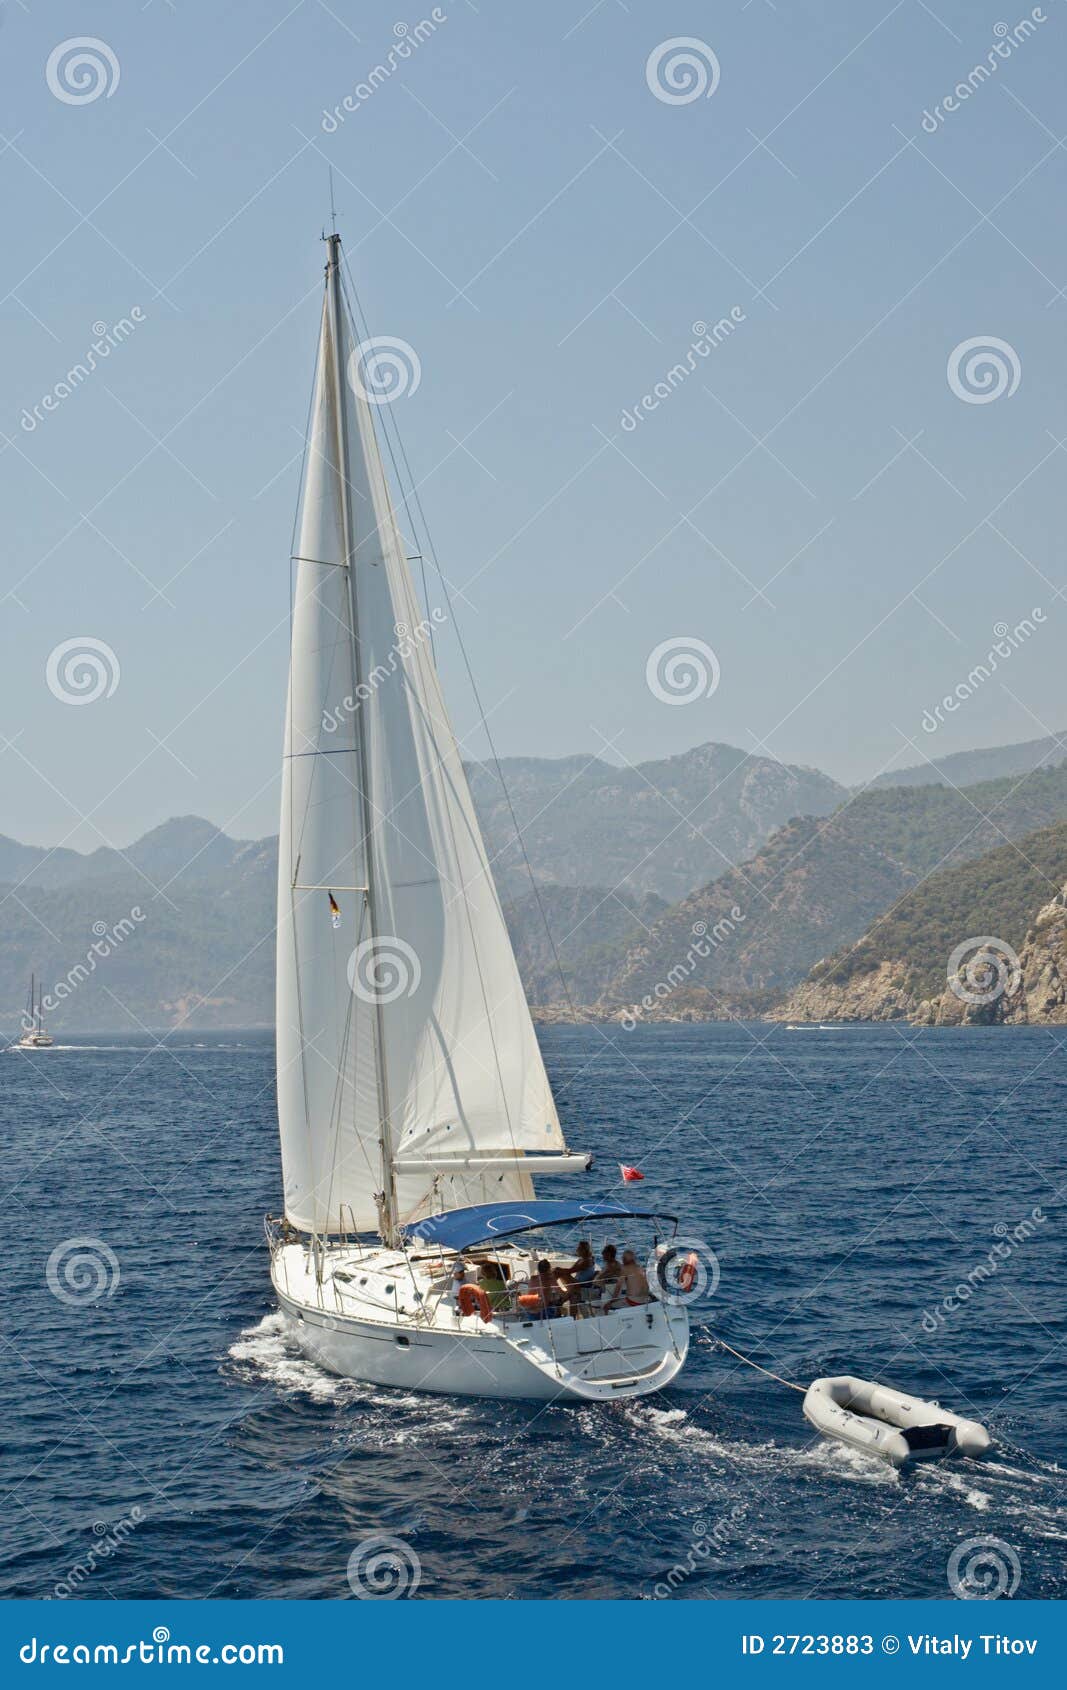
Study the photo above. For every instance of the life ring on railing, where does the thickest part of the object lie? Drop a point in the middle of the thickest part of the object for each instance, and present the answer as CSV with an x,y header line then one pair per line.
x,y
687,1273
473,1300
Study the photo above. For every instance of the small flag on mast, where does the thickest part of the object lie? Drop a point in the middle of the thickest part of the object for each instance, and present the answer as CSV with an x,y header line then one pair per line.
x,y
630,1174
335,911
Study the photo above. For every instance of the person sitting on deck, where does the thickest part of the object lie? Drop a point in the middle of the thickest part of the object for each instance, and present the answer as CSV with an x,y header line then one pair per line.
x,y
459,1278
544,1284
578,1278
633,1284
493,1283
607,1280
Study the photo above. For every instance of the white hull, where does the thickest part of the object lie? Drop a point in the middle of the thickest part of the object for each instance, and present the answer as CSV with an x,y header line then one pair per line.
x,y
630,1352
879,1421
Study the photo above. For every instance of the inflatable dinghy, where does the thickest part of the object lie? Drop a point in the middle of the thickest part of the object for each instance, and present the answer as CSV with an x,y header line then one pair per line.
x,y
872,1418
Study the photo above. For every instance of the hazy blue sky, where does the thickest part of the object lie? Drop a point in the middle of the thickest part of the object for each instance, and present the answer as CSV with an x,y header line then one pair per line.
x,y
544,230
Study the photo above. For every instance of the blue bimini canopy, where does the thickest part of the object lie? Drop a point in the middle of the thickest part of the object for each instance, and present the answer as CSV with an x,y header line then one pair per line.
x,y
461,1228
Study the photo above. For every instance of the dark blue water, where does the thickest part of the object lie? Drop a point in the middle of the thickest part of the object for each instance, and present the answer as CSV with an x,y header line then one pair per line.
x,y
163,1440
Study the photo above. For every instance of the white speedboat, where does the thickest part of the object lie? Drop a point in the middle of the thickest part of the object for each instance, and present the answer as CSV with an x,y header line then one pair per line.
x,y
413,1102
34,1036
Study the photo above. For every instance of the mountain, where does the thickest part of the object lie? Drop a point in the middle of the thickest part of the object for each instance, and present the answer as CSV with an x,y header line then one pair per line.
x,y
592,928
185,844
662,827
973,917
818,885
967,768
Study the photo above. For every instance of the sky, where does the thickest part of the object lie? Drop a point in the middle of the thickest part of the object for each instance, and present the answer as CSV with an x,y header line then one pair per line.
x,y
799,545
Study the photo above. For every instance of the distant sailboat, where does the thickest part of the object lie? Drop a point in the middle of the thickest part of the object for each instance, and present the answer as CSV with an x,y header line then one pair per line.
x,y
34,1036
413,1102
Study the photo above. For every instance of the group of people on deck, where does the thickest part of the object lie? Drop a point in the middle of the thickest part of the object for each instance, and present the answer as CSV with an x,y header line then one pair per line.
x,y
578,1289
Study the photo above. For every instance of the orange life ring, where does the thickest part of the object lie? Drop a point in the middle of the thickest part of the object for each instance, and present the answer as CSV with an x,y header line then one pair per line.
x,y
472,1299
687,1273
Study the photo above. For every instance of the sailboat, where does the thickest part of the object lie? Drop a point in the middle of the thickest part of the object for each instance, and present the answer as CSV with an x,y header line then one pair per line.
x,y
414,1107
34,1036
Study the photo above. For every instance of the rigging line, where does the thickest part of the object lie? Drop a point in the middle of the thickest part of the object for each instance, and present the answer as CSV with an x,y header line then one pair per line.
x,y
777,1377
428,537
355,306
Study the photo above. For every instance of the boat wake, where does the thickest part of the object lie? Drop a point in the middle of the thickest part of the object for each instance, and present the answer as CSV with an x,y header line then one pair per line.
x,y
266,1354
831,1460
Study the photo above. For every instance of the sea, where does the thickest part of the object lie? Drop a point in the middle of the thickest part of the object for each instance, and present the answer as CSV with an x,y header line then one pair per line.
x,y
881,1201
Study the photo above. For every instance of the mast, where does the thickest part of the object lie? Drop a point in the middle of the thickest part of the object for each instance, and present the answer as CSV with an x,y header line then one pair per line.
x,y
388,1205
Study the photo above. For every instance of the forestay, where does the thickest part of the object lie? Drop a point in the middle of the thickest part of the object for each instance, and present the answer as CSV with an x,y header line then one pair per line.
x,y
406,999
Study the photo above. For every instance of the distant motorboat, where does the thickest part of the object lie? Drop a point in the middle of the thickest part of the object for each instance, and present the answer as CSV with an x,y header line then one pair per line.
x,y
34,1037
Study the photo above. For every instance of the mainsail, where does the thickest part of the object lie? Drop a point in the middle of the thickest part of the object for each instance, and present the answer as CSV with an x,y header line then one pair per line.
x,y
409,1076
